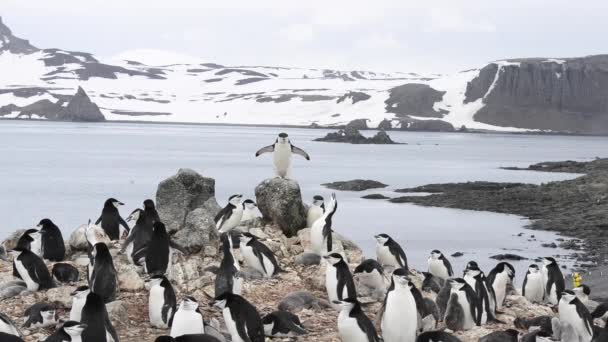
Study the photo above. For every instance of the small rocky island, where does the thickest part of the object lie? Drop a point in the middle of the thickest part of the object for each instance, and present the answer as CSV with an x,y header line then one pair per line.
x,y
355,185
351,135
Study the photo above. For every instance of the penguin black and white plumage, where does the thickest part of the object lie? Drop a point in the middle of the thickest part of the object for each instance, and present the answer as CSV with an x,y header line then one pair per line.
x,y
160,250
65,273
439,265
7,326
574,312
390,253
188,338
242,319
161,302
370,274
338,279
500,278
582,293
315,211
601,311
437,336
230,216
554,282
282,149
70,331
399,311
533,288
32,270
111,220
509,335
52,245
104,281
228,277
485,294
188,318
79,298
258,256
99,328
432,283
282,324
443,297
136,243
353,324
40,315
467,300
321,239
250,211
30,240
4,337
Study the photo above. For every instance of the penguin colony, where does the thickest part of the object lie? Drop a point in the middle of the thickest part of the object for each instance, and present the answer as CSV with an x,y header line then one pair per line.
x,y
462,303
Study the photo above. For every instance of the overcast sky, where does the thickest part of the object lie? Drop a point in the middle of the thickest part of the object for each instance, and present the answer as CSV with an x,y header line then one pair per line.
x,y
384,35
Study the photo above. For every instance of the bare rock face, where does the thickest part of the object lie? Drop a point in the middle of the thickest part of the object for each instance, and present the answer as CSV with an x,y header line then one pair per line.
x,y
186,204
78,240
10,43
81,108
414,99
280,202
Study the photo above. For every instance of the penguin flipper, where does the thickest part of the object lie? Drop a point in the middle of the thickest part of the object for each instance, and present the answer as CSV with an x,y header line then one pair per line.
x,y
265,149
299,151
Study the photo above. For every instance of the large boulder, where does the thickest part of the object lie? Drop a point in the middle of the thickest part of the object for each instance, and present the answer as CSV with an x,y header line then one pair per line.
x,y
78,239
280,202
186,204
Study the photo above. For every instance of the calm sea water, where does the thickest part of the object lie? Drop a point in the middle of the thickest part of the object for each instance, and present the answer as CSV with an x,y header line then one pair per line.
x,y
65,171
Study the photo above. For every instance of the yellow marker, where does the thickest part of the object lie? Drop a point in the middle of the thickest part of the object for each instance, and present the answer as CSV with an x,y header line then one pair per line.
x,y
577,280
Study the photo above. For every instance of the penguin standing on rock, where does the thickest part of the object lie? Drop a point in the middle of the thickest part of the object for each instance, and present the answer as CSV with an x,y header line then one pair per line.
x,y
70,331
282,149
161,302
104,281
390,253
533,288
439,266
321,231
230,216
160,250
574,312
228,277
52,246
315,211
282,324
98,325
500,278
79,298
32,270
554,281
399,312
258,256
111,220
338,279
353,324
188,318
241,317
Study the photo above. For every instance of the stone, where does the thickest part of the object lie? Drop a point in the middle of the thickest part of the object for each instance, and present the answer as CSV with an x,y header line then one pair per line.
x,y
118,313
81,108
78,240
355,185
280,202
198,232
11,241
353,136
128,277
61,296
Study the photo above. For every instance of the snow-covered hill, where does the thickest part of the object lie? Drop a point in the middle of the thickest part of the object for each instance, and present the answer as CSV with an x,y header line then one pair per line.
x,y
193,90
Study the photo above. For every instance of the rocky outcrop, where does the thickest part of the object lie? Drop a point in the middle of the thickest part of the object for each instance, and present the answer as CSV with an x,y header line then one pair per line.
x,y
354,96
186,204
358,124
427,126
414,99
280,202
385,125
81,108
566,95
355,185
10,43
352,135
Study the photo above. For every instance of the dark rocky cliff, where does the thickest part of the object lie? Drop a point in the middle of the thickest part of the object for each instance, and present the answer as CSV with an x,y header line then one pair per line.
x,y
568,95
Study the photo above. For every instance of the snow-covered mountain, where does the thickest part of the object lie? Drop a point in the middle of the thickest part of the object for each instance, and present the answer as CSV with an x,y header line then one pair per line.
x,y
194,90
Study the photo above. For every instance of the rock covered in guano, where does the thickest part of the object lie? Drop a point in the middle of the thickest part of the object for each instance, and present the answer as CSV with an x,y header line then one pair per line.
x,y
280,201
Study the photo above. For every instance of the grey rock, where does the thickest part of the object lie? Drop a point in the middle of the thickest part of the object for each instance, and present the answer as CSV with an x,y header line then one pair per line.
x,y
355,96
280,202
198,231
358,124
10,43
414,99
352,135
355,185
118,313
427,125
81,108
508,256
61,296
375,197
78,240
509,335
385,125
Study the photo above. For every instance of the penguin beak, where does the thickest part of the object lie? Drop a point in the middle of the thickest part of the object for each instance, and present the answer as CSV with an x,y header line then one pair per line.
x,y
39,226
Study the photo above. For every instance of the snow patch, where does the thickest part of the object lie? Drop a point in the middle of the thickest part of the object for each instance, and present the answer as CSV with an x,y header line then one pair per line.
x,y
555,60
154,57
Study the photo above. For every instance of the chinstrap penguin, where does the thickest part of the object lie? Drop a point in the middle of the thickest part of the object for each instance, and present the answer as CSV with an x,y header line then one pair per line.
x,y
110,219
7,326
338,279
573,311
432,283
40,315
104,280
282,324
315,211
533,288
321,238
230,216
282,149
582,293
30,240
370,274
228,277
509,335
437,336
4,337
258,256
159,255
242,319
353,324
188,318
250,211
485,294
70,331
32,270
65,273
52,245
137,242
439,265
399,312
99,328
553,279
390,253
161,302
463,296
79,298
500,278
